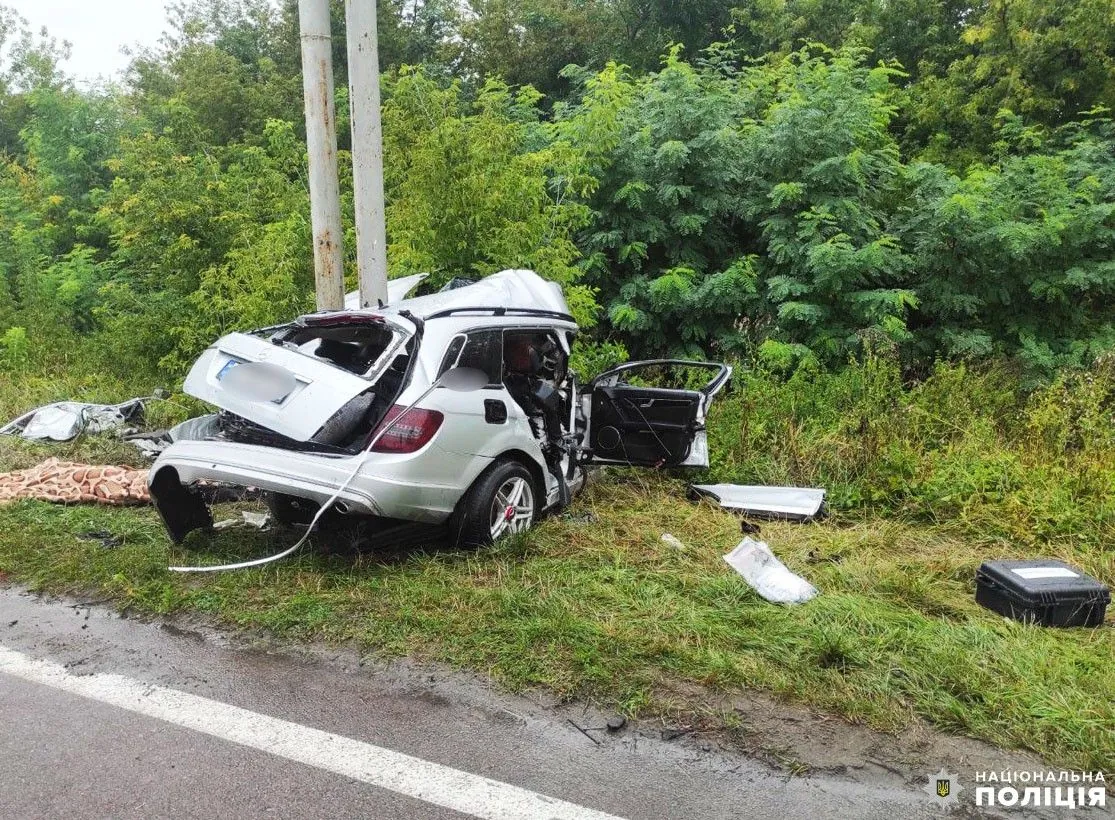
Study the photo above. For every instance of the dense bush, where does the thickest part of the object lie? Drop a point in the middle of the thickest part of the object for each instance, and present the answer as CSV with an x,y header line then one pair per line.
x,y
765,208
788,208
965,448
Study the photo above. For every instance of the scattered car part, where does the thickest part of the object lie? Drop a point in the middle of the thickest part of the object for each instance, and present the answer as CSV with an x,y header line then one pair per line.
x,y
66,420
586,517
153,443
248,519
582,730
105,538
767,575
1042,591
787,503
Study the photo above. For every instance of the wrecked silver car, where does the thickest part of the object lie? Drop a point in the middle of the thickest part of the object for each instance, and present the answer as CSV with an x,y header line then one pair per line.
x,y
455,407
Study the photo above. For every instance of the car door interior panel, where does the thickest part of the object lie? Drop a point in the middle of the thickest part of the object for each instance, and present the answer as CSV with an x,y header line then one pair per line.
x,y
633,423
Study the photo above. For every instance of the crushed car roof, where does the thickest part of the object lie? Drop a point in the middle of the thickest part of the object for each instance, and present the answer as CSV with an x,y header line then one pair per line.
x,y
509,289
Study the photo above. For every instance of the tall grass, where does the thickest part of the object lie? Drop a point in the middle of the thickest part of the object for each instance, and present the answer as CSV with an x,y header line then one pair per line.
x,y
966,449
925,481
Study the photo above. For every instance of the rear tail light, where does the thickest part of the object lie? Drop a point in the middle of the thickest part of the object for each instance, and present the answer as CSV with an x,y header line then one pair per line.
x,y
411,433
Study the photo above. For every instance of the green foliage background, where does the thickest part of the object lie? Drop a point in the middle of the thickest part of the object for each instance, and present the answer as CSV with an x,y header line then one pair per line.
x,y
787,183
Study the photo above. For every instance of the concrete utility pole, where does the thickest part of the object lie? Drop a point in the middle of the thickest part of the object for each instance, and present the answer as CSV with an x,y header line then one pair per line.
x,y
367,150
321,143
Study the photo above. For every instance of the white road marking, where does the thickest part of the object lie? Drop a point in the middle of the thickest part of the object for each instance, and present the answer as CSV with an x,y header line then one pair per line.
x,y
412,776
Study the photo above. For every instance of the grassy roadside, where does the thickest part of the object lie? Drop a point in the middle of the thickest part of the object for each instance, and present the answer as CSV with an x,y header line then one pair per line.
x,y
595,605
927,480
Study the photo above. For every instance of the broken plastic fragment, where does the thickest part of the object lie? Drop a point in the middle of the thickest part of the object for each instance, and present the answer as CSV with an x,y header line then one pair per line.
x,y
253,520
66,420
767,575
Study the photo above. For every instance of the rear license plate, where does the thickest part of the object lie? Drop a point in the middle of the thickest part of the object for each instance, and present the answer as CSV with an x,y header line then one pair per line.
x,y
224,371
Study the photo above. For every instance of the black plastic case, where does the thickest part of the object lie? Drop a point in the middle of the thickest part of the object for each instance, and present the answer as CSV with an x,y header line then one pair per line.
x,y
1042,591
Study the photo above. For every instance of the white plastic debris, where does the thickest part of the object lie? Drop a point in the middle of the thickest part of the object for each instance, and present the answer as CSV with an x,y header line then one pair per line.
x,y
792,503
767,575
672,540
196,429
247,519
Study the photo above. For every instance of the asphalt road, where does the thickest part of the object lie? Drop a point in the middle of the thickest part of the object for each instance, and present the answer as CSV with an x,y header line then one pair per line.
x,y
101,716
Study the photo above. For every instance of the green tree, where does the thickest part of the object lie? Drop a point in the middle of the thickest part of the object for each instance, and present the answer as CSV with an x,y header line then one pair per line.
x,y
1016,257
1047,60
177,218
743,205
477,187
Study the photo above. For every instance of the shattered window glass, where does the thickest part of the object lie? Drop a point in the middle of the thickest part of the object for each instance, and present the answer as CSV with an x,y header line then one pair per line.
x,y
451,354
484,351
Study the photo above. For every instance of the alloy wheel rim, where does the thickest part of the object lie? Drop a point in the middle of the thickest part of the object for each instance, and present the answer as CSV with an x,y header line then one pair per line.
x,y
512,508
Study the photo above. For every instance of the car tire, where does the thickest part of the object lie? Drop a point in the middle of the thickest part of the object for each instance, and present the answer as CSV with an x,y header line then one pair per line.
x,y
503,501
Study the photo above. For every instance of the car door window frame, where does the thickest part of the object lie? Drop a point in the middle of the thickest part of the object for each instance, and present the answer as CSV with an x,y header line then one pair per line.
x,y
493,367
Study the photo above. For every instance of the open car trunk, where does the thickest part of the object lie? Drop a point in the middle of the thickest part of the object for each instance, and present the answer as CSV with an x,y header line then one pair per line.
x,y
319,379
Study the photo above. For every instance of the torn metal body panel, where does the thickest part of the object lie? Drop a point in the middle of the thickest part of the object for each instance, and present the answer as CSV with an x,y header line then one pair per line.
x,y
787,503
347,410
66,420
397,290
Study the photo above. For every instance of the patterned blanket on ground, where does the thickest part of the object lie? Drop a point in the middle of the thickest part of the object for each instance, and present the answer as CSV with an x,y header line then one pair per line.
x,y
66,482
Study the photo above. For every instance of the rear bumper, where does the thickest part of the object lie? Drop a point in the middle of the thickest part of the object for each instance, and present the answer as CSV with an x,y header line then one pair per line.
x,y
391,486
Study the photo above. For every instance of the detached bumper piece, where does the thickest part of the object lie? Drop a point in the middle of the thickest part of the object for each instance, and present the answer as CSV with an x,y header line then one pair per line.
x,y
1043,592
785,503
182,508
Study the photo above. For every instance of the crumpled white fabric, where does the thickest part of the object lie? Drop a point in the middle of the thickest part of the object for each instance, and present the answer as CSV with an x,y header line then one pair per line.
x,y
767,575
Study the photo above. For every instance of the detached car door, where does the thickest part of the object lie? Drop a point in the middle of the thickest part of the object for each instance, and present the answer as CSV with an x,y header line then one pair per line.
x,y
630,421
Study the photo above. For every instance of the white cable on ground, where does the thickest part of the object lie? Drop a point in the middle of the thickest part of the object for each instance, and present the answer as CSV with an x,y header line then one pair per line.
x,y
260,561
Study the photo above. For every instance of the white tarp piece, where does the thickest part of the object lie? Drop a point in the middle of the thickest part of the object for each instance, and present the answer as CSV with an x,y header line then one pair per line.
x,y
767,575
67,419
791,503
